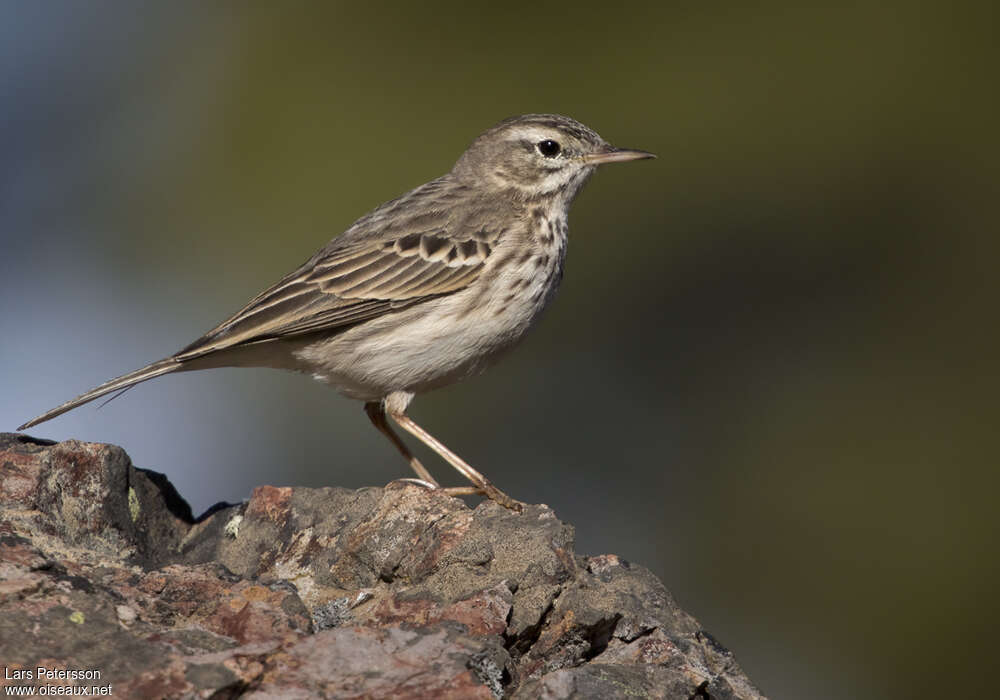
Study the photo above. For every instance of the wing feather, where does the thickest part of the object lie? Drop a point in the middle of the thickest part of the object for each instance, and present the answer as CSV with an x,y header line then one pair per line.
x,y
346,285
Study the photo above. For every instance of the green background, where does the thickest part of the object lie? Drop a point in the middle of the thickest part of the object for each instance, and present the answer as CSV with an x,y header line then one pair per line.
x,y
771,372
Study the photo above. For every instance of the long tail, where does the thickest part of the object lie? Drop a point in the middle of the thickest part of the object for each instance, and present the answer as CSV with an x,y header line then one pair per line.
x,y
123,382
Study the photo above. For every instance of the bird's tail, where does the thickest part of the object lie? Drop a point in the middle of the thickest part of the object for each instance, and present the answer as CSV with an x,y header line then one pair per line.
x,y
123,382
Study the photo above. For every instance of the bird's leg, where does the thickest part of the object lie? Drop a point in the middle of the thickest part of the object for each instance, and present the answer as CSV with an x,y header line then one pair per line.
x,y
463,491
376,412
482,483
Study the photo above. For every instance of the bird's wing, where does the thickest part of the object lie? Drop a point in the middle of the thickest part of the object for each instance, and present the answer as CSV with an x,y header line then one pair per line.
x,y
353,282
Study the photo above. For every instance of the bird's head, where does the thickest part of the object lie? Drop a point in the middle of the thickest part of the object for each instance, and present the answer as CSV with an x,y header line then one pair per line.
x,y
538,155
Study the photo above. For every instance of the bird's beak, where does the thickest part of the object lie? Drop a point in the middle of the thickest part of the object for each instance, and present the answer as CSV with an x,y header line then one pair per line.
x,y
611,154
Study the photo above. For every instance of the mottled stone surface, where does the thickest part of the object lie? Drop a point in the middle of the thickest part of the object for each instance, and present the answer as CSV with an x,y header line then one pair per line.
x,y
395,592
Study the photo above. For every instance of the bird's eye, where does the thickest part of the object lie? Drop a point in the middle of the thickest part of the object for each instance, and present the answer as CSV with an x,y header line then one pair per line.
x,y
548,148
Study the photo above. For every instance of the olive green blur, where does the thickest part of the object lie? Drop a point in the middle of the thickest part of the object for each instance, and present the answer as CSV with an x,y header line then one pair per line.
x,y
770,374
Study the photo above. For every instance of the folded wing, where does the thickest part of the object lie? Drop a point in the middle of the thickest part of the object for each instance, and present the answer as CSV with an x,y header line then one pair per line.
x,y
348,285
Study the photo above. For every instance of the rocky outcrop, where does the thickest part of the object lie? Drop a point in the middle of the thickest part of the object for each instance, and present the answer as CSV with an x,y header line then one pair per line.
x,y
395,592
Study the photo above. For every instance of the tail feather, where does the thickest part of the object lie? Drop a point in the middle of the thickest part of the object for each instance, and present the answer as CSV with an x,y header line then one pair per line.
x,y
123,382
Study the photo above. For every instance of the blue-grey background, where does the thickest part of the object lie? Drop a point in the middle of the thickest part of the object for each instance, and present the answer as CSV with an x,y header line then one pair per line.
x,y
770,375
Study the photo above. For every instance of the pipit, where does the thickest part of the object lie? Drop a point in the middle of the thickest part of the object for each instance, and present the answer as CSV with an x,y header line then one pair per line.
x,y
423,291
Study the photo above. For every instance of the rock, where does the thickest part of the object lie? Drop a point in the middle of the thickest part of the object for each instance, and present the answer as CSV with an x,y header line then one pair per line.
x,y
395,592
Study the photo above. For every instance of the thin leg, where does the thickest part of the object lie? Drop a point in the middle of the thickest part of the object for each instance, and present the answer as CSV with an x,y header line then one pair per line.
x,y
481,482
464,491
376,412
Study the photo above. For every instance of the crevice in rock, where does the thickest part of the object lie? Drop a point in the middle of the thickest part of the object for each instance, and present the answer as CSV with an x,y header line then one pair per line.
x,y
599,637
239,688
390,575
230,692
520,644
701,692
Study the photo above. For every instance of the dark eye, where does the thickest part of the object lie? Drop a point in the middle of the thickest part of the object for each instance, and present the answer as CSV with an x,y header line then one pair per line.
x,y
548,148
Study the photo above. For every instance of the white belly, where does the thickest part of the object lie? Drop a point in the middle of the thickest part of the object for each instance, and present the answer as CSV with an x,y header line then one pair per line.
x,y
438,341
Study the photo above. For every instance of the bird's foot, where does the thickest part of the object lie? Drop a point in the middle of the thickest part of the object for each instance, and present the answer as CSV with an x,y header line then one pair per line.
x,y
418,482
490,491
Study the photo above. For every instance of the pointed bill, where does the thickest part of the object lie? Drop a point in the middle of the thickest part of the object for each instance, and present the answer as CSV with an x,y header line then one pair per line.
x,y
615,155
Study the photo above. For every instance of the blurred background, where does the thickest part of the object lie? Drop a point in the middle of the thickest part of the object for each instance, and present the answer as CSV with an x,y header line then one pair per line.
x,y
770,375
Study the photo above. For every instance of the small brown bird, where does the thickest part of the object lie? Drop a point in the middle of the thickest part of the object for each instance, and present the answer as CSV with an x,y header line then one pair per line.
x,y
423,291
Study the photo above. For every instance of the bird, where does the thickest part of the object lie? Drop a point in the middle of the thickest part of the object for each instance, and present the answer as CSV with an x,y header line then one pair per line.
x,y
425,290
